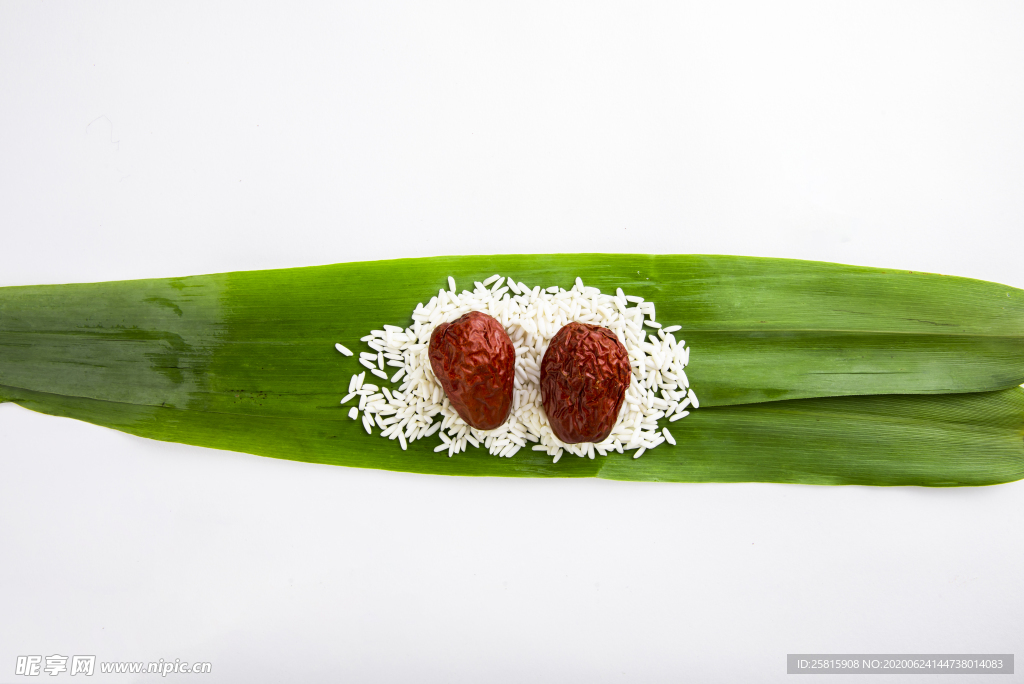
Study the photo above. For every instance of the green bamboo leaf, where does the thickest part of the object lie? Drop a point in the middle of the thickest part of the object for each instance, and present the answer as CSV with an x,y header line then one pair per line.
x,y
927,440
245,361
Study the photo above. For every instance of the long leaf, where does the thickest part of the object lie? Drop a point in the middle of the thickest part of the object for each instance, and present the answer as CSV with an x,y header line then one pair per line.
x,y
245,361
939,441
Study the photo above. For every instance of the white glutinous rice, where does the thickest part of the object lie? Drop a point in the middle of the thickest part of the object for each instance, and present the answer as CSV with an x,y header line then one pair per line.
x,y
343,349
418,408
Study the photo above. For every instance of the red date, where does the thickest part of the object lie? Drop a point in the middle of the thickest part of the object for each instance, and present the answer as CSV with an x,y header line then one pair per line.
x,y
474,360
583,381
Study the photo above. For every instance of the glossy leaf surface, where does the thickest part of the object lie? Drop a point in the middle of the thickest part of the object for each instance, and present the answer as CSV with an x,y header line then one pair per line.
x,y
246,361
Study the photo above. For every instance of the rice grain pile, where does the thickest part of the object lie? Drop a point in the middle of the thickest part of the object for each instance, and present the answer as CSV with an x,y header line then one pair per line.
x,y
658,389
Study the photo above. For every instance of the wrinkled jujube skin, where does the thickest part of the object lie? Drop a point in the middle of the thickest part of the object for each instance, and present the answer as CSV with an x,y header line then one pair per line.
x,y
474,360
583,381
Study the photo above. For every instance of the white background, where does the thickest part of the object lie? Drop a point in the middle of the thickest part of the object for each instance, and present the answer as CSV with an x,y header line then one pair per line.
x,y
168,139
